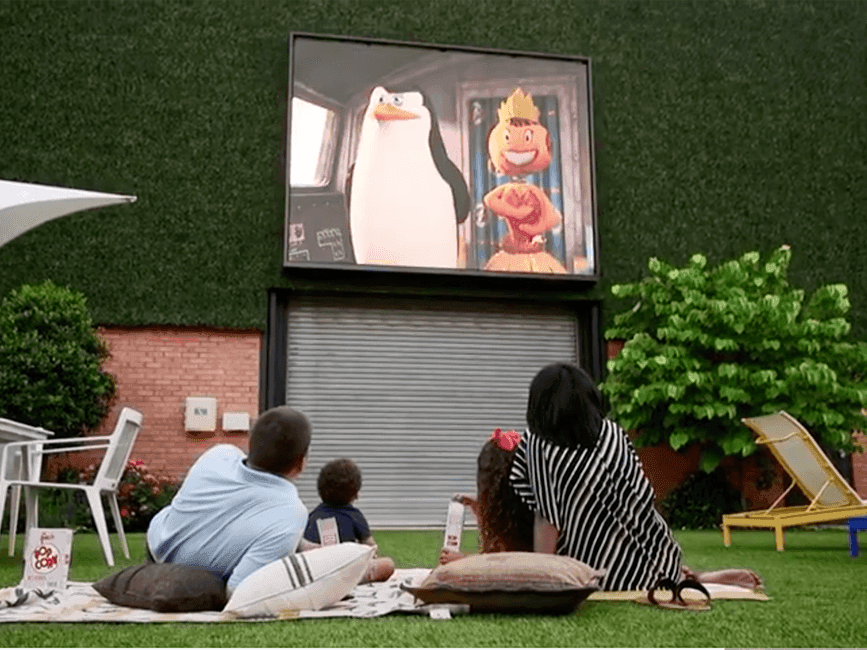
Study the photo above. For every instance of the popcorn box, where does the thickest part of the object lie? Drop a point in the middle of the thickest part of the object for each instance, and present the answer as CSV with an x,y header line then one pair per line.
x,y
454,525
47,555
328,533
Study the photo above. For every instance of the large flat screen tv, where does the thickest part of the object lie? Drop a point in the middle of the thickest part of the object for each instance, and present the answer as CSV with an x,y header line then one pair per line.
x,y
426,158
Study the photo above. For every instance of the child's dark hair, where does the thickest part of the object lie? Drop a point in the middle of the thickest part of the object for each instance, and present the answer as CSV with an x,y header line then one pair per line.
x,y
506,523
279,440
339,482
565,406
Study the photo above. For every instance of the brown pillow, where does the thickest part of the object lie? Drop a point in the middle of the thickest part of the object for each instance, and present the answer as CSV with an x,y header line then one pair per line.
x,y
511,582
164,588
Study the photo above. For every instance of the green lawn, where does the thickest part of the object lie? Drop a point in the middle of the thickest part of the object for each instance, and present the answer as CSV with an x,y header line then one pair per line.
x,y
818,599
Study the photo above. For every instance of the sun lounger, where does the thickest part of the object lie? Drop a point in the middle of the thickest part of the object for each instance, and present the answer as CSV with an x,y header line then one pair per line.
x,y
831,497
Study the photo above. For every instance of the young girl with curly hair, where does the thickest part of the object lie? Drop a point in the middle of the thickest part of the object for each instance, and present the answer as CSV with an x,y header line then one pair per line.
x,y
505,523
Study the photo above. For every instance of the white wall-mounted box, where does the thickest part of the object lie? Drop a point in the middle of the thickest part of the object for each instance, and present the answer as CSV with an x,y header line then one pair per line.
x,y
201,414
233,421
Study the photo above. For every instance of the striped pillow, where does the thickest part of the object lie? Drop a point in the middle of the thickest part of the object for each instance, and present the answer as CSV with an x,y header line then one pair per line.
x,y
311,580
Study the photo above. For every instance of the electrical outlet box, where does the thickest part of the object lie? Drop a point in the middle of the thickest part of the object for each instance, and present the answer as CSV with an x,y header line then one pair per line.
x,y
201,414
236,421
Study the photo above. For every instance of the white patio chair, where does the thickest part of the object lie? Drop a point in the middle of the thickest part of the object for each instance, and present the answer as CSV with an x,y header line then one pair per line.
x,y
117,446
13,471
13,431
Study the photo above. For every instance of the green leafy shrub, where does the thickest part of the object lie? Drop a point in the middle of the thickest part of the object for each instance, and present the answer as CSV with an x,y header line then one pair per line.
x,y
51,360
700,502
707,347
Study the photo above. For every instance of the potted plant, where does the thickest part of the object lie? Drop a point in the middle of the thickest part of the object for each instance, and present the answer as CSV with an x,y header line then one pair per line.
x,y
705,347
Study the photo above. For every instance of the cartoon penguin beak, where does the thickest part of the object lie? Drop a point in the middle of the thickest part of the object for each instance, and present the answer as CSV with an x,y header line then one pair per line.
x,y
385,112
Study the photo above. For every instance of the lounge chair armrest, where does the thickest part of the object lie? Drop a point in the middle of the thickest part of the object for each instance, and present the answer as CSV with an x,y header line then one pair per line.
x,y
40,446
67,450
45,444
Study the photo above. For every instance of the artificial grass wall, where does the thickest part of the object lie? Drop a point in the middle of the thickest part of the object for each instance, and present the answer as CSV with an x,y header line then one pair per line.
x,y
720,127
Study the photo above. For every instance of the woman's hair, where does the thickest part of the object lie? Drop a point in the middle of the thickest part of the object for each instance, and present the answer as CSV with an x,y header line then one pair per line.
x,y
279,440
505,523
565,406
339,482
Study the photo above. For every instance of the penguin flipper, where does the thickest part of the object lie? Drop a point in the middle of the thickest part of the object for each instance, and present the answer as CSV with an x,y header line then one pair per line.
x,y
460,193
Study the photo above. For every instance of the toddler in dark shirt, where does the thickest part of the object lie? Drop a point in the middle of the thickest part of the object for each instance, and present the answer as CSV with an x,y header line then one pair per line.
x,y
338,484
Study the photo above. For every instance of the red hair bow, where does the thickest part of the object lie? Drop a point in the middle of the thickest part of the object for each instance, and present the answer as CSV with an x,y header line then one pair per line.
x,y
506,440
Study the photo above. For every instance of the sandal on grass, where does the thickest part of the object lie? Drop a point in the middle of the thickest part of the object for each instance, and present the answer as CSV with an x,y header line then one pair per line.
x,y
677,600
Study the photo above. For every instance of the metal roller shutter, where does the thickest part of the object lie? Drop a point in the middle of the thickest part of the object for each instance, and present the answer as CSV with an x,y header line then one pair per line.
x,y
411,390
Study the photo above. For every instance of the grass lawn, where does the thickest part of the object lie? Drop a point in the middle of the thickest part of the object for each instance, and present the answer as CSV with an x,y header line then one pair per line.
x,y
818,599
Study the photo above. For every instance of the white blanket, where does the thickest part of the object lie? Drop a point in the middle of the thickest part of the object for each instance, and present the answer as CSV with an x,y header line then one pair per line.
x,y
80,603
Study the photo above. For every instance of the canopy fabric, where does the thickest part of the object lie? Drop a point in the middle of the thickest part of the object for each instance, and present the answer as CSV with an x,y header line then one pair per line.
x,y
26,205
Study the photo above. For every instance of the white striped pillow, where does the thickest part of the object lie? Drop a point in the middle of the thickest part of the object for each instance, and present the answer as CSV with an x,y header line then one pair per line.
x,y
311,580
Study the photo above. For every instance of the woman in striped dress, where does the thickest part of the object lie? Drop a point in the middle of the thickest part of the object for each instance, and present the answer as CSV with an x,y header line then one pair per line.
x,y
507,524
581,476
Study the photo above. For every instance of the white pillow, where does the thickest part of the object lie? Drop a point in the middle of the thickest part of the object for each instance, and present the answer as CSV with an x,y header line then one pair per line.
x,y
310,580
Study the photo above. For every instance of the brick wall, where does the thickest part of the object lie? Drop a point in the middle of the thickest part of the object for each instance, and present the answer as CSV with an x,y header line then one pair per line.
x,y
859,467
158,368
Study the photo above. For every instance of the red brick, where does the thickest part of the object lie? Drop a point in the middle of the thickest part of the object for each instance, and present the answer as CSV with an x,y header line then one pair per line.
x,y
158,367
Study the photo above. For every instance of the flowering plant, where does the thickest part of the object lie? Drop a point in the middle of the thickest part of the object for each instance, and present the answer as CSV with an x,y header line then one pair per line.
x,y
140,494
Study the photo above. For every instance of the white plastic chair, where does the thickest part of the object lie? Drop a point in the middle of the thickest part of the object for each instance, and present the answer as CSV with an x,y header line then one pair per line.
x,y
117,446
13,431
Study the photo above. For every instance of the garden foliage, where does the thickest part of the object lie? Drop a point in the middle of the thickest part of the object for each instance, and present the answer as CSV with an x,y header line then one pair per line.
x,y
141,494
51,361
701,502
707,347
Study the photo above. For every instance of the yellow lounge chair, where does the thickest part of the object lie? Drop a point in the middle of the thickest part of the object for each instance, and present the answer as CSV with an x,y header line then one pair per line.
x,y
831,497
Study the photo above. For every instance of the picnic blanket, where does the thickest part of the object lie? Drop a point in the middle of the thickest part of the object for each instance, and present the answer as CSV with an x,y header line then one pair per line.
x,y
80,603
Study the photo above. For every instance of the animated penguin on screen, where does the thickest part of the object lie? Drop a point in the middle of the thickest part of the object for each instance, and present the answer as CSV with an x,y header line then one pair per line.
x,y
405,197
518,145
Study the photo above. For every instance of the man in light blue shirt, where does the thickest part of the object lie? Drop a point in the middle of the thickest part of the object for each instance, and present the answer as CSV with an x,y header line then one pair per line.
x,y
233,514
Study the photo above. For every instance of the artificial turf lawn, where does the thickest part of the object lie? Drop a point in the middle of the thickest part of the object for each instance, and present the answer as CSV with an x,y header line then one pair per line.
x,y
816,589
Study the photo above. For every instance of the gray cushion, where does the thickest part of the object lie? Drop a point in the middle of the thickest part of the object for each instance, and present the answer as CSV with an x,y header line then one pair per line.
x,y
164,588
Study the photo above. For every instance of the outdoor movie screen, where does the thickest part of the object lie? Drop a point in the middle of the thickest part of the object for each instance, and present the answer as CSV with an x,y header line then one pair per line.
x,y
430,158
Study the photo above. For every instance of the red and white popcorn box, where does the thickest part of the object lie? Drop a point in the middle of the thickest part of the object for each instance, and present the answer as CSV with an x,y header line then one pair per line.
x,y
47,555
328,533
454,525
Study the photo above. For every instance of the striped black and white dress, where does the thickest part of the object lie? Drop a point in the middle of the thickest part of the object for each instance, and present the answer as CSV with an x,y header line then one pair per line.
x,y
601,502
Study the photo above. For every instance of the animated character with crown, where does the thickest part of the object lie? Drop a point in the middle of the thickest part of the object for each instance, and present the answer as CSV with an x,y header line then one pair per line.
x,y
519,145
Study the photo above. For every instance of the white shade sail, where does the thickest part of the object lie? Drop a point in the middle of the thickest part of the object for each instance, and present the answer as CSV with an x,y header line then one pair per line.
x,y
26,205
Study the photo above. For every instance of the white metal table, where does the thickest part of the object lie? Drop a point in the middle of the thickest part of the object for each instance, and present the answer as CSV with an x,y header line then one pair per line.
x,y
12,431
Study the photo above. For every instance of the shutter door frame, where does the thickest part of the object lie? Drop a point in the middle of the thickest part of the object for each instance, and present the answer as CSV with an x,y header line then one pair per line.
x,y
583,314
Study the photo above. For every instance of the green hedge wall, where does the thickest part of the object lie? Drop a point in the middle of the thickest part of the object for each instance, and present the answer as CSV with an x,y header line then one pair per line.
x,y
721,127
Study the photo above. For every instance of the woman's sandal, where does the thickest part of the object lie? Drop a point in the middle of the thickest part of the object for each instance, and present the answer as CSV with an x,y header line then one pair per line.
x,y
677,601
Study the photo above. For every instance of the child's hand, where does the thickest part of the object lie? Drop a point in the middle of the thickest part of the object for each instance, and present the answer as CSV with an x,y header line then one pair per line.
x,y
447,555
464,499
